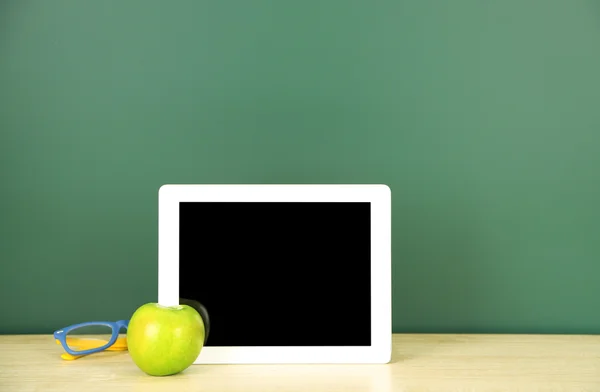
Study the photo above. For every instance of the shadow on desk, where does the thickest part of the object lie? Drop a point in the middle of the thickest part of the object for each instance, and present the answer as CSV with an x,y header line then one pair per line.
x,y
412,346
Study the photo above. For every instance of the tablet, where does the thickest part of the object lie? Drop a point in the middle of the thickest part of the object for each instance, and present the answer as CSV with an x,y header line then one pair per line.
x,y
287,273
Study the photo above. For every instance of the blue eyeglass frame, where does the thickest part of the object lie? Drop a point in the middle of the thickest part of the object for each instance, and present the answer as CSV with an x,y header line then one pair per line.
x,y
116,326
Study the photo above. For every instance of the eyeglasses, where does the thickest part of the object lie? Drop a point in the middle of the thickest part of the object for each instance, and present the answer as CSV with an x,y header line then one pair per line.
x,y
82,339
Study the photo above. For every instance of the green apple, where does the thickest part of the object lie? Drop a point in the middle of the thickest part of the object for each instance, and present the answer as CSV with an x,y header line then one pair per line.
x,y
165,340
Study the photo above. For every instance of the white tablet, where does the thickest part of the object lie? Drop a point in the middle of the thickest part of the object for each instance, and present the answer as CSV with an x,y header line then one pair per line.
x,y
287,273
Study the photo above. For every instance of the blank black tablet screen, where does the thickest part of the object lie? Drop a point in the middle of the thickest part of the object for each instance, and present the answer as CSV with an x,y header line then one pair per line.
x,y
279,274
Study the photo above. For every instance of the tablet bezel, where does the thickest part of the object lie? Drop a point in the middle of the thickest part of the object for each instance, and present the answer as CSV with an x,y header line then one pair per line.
x,y
169,197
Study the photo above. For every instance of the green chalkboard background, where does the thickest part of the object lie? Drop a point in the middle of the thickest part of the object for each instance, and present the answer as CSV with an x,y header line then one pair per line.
x,y
483,117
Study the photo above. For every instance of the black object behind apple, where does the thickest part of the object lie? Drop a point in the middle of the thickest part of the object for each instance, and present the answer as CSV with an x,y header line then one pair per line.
x,y
201,310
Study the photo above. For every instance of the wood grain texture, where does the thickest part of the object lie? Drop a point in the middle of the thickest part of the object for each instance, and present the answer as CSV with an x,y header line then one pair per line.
x,y
419,363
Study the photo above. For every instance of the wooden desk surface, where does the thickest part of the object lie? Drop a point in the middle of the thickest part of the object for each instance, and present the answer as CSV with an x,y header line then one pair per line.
x,y
419,363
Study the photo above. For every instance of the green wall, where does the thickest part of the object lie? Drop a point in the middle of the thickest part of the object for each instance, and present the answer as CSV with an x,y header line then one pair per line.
x,y
482,116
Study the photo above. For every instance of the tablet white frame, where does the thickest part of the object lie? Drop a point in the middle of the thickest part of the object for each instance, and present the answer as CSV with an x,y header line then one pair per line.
x,y
170,195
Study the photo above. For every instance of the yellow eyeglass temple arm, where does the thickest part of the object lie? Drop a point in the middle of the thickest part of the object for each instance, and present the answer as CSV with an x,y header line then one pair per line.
x,y
86,344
